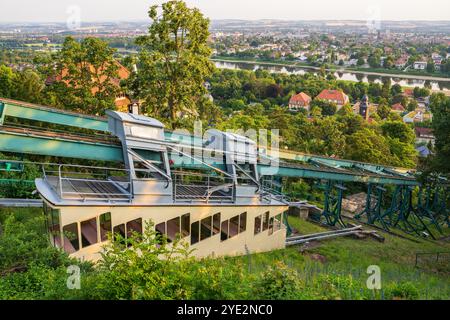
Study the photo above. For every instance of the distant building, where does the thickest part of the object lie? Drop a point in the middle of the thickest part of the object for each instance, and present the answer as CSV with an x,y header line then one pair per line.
x,y
424,135
401,62
416,116
398,107
362,107
408,92
423,151
420,65
122,101
335,96
299,101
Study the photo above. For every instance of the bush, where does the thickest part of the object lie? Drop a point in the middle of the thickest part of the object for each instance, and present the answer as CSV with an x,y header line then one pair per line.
x,y
402,290
278,282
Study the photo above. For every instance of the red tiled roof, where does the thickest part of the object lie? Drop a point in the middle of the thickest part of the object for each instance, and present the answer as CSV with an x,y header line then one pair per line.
x,y
423,131
301,97
333,95
398,107
408,92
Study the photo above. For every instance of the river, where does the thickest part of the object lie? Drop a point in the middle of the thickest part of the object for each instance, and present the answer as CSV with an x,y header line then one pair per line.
x,y
345,75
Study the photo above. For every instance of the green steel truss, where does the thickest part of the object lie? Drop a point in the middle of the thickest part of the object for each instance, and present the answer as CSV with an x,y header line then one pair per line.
x,y
431,211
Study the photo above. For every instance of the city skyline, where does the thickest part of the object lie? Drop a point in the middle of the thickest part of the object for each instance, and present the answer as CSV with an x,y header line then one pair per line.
x,y
136,10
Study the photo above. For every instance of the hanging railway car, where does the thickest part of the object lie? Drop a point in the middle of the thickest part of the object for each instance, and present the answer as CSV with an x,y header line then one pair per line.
x,y
216,205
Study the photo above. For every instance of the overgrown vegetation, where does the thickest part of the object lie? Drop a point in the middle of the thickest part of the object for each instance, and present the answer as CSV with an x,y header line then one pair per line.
x,y
31,269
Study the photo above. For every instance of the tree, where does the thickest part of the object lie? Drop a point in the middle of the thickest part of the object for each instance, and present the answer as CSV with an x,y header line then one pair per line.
x,y
29,86
327,137
366,145
386,88
396,89
383,111
7,80
421,92
430,66
374,61
440,106
84,76
174,61
328,108
412,105
388,62
398,130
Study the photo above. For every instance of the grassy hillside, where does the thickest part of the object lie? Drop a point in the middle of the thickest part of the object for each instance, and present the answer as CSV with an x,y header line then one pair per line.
x,y
331,269
337,268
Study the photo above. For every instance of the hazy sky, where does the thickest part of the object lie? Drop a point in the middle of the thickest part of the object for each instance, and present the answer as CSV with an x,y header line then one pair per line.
x,y
101,10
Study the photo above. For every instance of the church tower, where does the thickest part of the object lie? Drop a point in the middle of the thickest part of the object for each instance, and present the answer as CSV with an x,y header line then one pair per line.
x,y
364,107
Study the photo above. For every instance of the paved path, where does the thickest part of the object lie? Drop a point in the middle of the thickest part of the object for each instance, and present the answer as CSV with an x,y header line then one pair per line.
x,y
23,203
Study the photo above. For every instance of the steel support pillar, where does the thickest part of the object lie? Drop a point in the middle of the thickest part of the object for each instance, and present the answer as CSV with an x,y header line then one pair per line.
x,y
373,210
334,192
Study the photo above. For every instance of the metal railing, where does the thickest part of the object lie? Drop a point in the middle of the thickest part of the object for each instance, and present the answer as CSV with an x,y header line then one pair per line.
x,y
430,259
90,183
189,186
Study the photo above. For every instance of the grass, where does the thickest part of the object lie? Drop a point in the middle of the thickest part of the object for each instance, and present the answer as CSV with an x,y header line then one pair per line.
x,y
349,258
337,268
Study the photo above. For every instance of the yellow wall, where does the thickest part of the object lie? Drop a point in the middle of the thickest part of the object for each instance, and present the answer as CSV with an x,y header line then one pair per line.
x,y
211,246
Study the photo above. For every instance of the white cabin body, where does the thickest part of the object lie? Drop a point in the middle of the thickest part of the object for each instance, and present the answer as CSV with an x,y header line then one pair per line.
x,y
223,212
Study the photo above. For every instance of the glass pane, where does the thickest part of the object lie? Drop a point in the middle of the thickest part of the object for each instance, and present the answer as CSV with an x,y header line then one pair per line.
x,y
89,232
105,225
173,229
242,222
185,223
216,223
271,226
119,230
71,243
266,221
258,221
205,229
277,222
160,229
134,226
224,230
54,227
195,232
234,226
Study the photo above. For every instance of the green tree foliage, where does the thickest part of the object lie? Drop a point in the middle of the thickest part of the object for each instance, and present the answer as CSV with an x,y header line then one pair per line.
x,y
328,108
7,81
83,76
440,106
367,145
24,85
174,61
383,111
421,92
412,105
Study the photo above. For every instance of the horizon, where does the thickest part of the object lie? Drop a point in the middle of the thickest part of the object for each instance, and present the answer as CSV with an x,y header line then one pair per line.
x,y
222,19
88,11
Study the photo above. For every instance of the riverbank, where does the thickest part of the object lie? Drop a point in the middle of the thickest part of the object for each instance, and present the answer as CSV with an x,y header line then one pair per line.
x,y
379,73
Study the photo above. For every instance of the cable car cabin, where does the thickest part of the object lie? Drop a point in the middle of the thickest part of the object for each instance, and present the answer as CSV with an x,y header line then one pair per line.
x,y
218,208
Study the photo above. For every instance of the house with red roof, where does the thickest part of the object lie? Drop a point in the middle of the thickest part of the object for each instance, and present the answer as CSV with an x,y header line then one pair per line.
x,y
335,96
408,92
299,101
122,100
424,135
398,107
